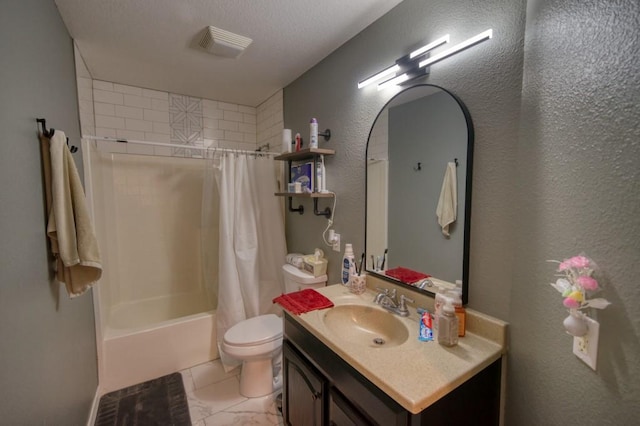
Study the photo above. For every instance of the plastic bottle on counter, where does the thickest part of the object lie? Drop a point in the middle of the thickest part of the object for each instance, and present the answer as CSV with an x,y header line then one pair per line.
x,y
438,302
461,313
448,325
348,264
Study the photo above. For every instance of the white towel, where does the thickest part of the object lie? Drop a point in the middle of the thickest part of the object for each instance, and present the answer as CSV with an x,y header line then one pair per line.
x,y
447,209
69,228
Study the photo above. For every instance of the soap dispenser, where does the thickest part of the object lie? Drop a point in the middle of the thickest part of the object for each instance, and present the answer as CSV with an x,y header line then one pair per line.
x,y
448,325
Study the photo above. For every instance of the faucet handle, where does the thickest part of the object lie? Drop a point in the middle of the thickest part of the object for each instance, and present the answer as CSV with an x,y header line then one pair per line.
x,y
403,300
384,291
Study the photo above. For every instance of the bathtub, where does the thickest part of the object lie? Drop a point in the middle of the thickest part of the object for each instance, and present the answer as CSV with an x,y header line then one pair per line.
x,y
139,345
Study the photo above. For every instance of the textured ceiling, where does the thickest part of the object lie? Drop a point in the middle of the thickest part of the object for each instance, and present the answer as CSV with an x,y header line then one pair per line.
x,y
150,43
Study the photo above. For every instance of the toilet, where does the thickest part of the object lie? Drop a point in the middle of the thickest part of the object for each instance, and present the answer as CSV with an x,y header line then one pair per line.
x,y
257,341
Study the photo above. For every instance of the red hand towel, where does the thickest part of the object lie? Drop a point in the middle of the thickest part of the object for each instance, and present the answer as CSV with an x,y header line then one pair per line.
x,y
303,301
406,275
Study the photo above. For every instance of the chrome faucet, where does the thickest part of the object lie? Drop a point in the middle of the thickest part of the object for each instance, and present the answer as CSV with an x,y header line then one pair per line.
x,y
387,299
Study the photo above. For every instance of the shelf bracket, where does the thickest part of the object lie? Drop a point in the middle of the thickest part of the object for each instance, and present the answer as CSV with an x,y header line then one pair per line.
x,y
300,208
326,212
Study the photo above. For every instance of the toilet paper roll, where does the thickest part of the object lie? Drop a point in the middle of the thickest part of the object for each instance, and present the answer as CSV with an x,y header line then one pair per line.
x,y
286,140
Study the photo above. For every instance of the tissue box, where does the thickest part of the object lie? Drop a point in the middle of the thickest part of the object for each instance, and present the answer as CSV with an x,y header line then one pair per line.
x,y
314,266
305,174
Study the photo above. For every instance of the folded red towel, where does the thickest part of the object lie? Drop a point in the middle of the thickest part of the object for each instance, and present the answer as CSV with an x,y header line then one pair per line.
x,y
303,301
406,275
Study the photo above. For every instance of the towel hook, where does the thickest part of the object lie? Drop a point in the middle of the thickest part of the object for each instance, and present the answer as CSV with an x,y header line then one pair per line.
x,y
455,160
418,167
51,132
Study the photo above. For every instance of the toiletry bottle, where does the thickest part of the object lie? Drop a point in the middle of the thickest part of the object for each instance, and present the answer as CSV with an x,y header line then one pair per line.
x,y
313,138
348,267
461,313
448,325
438,302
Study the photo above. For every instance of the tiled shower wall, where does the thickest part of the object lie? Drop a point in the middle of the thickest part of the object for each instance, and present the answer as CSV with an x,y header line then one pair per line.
x,y
129,112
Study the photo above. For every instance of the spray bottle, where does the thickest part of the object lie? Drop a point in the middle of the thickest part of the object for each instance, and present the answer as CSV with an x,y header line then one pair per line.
x,y
348,264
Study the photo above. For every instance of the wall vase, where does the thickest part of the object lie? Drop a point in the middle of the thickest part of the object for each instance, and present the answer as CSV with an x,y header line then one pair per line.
x,y
575,324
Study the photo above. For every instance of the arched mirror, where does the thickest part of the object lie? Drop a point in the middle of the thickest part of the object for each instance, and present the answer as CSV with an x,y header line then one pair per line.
x,y
419,162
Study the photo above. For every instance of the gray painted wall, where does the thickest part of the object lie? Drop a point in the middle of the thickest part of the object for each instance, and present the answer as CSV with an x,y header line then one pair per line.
x,y
48,364
564,179
431,131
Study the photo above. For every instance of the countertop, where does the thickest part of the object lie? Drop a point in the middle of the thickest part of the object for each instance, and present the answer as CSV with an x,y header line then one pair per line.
x,y
415,374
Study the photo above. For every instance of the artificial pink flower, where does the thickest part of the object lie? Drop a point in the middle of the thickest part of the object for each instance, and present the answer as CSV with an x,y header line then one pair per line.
x,y
587,283
574,262
571,303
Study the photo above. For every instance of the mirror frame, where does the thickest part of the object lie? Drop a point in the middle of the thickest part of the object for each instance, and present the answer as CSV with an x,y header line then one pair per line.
x,y
468,181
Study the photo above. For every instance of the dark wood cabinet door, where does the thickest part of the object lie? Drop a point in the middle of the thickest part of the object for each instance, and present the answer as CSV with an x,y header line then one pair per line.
x,y
304,391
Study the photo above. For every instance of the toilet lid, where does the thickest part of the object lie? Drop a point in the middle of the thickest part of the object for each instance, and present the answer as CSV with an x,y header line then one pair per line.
x,y
256,330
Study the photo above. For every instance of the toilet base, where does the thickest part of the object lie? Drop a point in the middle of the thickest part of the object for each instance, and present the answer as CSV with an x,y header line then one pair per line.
x,y
256,378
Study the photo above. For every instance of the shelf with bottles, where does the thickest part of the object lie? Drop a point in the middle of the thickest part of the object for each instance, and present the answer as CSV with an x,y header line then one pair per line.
x,y
302,155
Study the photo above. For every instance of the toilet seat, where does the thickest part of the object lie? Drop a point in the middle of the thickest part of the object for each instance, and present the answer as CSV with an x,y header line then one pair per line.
x,y
255,331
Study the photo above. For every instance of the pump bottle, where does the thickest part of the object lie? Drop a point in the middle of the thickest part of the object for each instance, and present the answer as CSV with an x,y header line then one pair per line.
x,y
448,325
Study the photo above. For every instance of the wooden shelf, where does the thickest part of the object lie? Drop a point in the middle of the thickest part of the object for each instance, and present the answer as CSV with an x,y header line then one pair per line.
x,y
303,154
304,194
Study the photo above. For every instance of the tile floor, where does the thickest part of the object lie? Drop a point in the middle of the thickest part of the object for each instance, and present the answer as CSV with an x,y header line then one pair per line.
x,y
215,400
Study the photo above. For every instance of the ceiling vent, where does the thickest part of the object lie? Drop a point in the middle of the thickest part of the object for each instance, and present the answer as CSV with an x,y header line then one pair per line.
x,y
223,43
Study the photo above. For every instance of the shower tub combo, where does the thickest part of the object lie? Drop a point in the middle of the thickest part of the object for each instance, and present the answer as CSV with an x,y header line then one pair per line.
x,y
154,305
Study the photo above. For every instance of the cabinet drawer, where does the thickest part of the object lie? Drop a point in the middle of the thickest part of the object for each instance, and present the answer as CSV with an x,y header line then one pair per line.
x,y
342,413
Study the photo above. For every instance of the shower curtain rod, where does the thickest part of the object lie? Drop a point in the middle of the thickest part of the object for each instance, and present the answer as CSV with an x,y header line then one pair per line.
x,y
174,145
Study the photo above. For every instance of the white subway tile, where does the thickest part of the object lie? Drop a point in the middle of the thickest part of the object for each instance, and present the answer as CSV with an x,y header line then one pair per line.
x,y
130,134
247,128
85,83
137,101
233,116
155,94
159,105
228,125
250,118
109,122
213,113
249,137
209,123
87,129
103,85
246,110
227,106
104,109
157,137
208,103
87,118
159,116
85,94
108,97
102,131
129,90
213,134
234,136
128,112
163,128
85,106
139,125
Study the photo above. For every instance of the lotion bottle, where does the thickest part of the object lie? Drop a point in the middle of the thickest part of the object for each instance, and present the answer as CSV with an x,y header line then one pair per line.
x,y
348,264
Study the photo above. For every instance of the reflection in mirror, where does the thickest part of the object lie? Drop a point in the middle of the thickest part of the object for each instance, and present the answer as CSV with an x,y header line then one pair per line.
x,y
420,136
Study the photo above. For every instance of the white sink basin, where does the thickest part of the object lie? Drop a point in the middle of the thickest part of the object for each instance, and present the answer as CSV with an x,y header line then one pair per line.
x,y
366,325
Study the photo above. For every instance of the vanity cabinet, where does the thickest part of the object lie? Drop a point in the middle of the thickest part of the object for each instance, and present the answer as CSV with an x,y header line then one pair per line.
x,y
320,388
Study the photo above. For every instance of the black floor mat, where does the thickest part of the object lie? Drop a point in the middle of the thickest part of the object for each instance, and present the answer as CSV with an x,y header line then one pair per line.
x,y
160,401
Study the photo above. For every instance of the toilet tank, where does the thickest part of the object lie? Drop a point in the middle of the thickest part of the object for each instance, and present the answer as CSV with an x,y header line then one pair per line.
x,y
295,279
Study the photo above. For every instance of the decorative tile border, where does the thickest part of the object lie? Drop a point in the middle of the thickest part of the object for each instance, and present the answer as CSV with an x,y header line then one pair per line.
x,y
185,121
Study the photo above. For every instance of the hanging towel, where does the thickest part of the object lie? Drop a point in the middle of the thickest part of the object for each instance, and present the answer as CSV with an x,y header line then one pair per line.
x,y
73,242
447,209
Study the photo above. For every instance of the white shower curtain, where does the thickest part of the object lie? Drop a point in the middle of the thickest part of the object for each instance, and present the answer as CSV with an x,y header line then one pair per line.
x,y
252,244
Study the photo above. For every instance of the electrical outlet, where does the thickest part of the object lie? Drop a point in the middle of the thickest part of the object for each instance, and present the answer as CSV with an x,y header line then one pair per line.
x,y
336,242
586,347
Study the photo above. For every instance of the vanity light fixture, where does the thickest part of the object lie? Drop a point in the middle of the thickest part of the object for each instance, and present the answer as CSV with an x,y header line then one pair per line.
x,y
391,70
407,68
458,47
